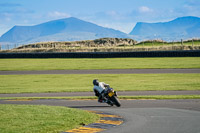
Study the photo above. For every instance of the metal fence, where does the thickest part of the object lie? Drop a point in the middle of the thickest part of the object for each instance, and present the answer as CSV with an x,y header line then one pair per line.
x,y
9,46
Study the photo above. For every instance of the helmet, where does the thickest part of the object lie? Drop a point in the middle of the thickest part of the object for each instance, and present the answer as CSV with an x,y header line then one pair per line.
x,y
95,82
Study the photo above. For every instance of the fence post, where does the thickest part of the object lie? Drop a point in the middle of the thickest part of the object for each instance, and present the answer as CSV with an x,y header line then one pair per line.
x,y
182,42
152,43
192,43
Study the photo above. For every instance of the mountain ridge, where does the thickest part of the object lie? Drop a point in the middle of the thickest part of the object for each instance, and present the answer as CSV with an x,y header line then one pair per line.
x,y
74,29
68,29
179,28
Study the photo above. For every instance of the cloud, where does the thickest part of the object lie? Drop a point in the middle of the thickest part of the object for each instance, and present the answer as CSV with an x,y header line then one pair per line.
x,y
191,7
114,15
188,8
12,8
145,9
121,26
14,13
142,14
57,14
9,5
111,13
193,3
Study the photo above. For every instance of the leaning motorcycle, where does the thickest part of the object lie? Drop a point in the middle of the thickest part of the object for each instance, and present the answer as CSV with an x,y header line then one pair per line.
x,y
111,97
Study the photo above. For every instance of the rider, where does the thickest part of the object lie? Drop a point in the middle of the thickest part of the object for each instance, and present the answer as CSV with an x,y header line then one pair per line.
x,y
99,88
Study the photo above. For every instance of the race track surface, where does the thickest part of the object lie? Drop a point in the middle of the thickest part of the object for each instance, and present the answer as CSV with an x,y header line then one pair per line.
x,y
140,116
103,71
120,93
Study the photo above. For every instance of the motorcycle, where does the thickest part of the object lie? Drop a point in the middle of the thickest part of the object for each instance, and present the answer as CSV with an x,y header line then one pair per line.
x,y
110,97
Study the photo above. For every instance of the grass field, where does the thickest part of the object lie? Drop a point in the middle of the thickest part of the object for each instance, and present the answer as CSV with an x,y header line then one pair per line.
x,y
28,118
80,83
106,63
156,43
42,119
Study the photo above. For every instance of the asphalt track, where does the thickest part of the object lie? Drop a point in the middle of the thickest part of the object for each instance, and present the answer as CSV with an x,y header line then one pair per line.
x,y
103,71
140,116
120,93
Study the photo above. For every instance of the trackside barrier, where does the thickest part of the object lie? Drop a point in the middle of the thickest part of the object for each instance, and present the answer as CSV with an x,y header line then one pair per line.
x,y
186,53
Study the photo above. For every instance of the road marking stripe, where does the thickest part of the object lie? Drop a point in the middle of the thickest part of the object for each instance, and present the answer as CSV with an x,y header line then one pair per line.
x,y
104,123
110,122
85,130
106,115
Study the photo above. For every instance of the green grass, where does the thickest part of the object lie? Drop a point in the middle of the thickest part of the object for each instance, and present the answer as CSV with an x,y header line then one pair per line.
x,y
81,83
154,43
42,119
107,63
157,97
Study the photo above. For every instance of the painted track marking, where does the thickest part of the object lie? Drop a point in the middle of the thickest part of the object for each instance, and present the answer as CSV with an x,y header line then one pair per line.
x,y
106,121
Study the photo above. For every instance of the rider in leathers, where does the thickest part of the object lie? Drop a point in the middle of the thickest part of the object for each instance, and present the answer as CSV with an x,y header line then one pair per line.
x,y
99,88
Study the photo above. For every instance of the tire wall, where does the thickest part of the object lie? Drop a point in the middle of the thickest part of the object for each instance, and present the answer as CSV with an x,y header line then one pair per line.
x,y
187,53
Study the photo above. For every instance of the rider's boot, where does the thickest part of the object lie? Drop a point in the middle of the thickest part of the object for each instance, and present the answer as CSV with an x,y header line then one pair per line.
x,y
101,98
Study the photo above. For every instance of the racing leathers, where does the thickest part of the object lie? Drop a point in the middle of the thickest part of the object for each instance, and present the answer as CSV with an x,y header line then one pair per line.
x,y
99,90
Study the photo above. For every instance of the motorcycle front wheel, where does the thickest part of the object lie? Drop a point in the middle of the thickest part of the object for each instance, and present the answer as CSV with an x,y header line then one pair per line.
x,y
115,101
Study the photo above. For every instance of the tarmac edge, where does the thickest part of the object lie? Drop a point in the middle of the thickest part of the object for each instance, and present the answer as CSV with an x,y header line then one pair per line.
x,y
106,121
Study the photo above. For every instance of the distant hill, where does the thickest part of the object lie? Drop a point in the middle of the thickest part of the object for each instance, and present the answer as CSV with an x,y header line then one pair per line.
x,y
73,29
69,29
180,28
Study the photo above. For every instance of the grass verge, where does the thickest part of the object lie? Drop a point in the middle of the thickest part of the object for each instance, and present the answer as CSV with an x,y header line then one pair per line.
x,y
108,63
81,83
42,119
158,97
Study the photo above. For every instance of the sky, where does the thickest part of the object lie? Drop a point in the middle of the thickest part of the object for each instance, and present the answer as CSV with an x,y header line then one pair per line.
x,y
117,14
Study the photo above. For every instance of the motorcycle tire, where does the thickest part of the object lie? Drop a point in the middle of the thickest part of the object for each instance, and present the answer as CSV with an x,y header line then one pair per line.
x,y
115,101
110,103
